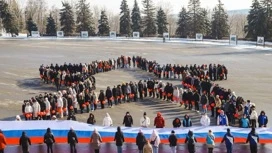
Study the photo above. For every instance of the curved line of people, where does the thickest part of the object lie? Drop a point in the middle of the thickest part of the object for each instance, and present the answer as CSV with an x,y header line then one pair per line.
x,y
144,145
223,104
176,71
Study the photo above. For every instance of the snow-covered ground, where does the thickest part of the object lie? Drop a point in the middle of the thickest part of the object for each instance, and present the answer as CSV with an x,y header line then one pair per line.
x,y
240,45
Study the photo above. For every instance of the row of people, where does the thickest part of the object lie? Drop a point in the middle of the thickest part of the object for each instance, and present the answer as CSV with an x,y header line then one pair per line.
x,y
144,145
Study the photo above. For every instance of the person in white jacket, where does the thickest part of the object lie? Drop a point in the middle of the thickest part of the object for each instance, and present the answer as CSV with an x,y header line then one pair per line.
x,y
36,109
28,111
47,108
253,116
60,105
145,121
107,121
176,95
155,141
205,120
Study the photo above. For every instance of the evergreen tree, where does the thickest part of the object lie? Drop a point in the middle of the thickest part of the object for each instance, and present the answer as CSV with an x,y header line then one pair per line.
x,y
136,18
149,25
51,26
67,21
31,25
161,22
220,27
256,19
8,19
183,23
125,23
84,18
195,20
206,26
103,28
267,10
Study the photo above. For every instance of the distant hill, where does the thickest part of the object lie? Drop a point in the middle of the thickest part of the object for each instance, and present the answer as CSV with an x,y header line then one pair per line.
x,y
242,11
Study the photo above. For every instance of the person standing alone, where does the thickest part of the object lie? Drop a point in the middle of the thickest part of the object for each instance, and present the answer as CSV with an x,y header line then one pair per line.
x,y
24,142
49,140
72,140
173,141
119,139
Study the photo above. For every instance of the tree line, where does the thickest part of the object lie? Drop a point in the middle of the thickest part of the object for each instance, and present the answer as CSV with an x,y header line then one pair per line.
x,y
150,21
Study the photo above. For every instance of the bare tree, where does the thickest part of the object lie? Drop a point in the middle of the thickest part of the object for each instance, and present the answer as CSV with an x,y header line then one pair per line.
x,y
237,22
37,10
113,20
96,15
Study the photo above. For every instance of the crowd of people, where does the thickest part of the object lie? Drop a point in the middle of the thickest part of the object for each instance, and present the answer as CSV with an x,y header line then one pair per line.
x,y
145,145
197,93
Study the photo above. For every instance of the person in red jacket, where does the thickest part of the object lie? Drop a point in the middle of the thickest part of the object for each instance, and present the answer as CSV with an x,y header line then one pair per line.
x,y
3,142
159,121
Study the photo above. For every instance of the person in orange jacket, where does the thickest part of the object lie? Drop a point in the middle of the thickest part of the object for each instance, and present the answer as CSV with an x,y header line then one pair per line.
x,y
3,142
159,121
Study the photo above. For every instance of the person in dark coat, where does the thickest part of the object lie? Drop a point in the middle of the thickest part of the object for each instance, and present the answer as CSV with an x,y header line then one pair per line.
x,y
128,120
140,141
91,119
72,140
176,123
229,140
101,98
119,139
191,140
173,141
49,139
253,139
71,116
262,119
187,121
109,96
24,142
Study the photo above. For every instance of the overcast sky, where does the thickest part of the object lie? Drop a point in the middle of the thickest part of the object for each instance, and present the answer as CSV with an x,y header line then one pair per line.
x,y
114,5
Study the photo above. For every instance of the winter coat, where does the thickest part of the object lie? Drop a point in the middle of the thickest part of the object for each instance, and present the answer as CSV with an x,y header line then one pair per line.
x,y
253,115
107,121
47,107
187,122
72,137
24,142
96,140
128,120
140,140
205,120
262,120
145,122
210,140
155,137
147,148
119,138
91,120
108,93
244,123
173,140
176,123
48,138
159,122
36,109
229,139
28,108
176,94
60,102
218,103
3,141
